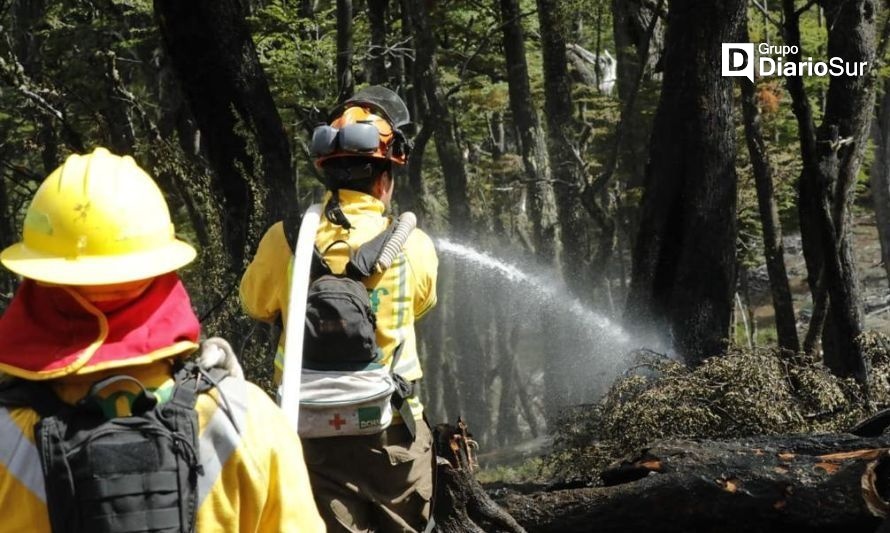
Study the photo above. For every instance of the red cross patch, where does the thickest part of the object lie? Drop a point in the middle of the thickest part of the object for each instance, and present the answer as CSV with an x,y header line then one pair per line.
x,y
337,421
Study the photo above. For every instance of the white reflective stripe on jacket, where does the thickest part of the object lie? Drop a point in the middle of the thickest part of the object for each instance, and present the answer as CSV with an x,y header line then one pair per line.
x,y
254,476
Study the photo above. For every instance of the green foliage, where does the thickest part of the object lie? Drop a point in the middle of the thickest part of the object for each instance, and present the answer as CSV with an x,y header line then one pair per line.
x,y
532,469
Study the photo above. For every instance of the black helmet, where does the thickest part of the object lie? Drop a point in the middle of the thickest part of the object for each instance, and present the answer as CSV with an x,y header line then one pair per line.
x,y
382,100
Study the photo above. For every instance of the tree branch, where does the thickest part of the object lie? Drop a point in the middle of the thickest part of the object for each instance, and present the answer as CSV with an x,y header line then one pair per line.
x,y
766,14
605,177
806,7
482,45
13,74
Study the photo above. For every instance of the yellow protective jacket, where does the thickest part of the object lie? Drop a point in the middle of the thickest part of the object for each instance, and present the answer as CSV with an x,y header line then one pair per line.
x,y
254,481
399,296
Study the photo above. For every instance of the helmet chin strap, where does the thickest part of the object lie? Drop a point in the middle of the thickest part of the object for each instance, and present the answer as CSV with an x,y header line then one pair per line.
x,y
335,177
333,213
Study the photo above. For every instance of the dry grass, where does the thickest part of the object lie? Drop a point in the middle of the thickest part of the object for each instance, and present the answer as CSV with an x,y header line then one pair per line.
x,y
746,392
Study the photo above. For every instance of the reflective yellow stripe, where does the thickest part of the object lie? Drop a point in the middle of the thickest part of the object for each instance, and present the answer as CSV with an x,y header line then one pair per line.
x,y
402,300
279,357
219,437
20,456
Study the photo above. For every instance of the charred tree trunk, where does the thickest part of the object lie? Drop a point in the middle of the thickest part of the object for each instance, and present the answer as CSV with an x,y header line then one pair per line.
x,y
447,146
773,248
413,197
764,484
8,236
684,259
115,110
879,178
345,81
308,28
413,93
531,137
462,506
634,47
377,61
831,157
214,57
564,165
637,53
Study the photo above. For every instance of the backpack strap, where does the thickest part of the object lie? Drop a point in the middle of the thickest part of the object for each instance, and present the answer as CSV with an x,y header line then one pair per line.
x,y
362,261
190,380
36,395
404,390
293,219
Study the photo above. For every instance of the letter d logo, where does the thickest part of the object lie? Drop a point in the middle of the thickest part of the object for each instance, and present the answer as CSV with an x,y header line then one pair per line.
x,y
738,60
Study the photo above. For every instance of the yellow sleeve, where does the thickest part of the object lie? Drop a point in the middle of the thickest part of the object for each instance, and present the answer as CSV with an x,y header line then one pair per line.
x,y
425,268
265,279
289,504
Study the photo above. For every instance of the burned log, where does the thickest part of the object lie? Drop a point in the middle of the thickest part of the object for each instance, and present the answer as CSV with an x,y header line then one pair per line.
x,y
462,505
814,483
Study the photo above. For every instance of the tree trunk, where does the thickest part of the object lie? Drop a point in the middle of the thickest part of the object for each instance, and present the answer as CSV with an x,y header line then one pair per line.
x,y
345,81
684,259
409,80
462,506
115,109
637,52
564,166
377,61
8,236
214,57
447,146
763,484
879,177
531,137
631,20
308,27
773,248
831,157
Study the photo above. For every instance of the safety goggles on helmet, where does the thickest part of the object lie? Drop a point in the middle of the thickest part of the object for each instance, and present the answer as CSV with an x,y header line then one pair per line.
x,y
360,137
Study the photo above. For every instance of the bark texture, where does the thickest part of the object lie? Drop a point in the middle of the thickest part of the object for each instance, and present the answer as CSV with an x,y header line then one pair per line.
x,y
530,136
879,178
822,483
440,119
831,156
565,168
213,55
773,247
684,265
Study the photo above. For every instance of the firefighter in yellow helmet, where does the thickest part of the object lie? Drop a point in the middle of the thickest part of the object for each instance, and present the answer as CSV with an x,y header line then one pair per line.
x,y
99,430
380,482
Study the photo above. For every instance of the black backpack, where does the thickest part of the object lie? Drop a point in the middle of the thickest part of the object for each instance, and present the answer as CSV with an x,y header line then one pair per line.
x,y
340,330
129,474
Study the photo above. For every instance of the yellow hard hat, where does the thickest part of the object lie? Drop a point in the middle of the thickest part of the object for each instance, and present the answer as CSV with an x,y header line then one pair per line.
x,y
97,219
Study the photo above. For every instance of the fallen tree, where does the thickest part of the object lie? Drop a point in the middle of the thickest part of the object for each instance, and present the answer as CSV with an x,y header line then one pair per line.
x,y
462,505
814,483
691,462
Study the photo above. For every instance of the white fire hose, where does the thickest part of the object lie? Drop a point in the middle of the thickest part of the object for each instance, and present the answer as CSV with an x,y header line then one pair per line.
x,y
289,392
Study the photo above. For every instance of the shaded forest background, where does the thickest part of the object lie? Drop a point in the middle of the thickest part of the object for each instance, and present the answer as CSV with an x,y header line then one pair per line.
x,y
624,195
